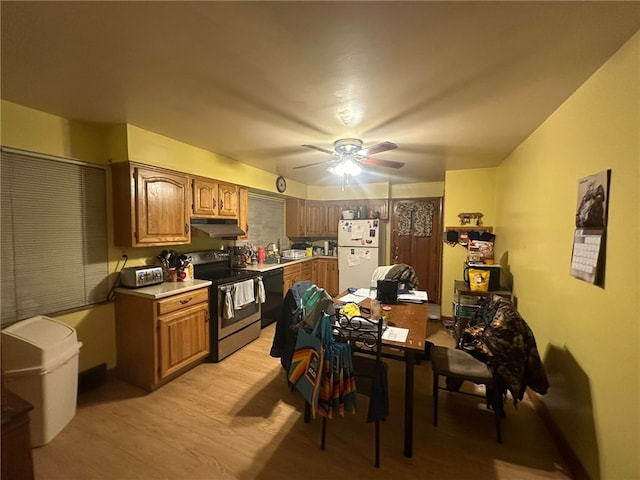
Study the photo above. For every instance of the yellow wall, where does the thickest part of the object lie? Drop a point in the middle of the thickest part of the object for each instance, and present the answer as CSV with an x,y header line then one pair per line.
x,y
465,191
36,131
588,336
417,190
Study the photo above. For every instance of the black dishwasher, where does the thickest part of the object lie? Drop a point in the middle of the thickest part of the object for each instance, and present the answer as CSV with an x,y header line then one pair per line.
x,y
272,280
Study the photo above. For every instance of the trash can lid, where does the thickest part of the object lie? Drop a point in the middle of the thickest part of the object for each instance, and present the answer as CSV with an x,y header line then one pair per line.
x,y
36,341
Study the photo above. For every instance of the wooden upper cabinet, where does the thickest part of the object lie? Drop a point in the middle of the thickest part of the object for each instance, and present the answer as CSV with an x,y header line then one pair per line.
x,y
215,199
296,217
151,206
243,212
315,219
205,197
323,218
379,207
332,215
229,200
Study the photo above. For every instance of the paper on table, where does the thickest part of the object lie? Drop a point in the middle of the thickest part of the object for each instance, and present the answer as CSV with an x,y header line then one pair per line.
x,y
395,334
362,292
350,297
417,296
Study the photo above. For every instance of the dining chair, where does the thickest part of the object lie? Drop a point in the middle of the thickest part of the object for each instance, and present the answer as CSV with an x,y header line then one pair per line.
x,y
365,339
459,365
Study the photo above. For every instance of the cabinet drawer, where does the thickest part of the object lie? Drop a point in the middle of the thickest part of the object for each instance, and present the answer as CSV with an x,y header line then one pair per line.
x,y
182,300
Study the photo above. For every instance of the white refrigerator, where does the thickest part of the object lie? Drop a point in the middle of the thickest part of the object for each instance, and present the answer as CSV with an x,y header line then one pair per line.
x,y
360,251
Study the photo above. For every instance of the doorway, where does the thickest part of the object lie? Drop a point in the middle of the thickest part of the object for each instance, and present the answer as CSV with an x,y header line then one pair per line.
x,y
416,239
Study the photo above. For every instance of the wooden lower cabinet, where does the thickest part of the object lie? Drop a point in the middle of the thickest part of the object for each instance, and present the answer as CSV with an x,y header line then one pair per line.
x,y
306,270
290,276
325,275
159,339
321,271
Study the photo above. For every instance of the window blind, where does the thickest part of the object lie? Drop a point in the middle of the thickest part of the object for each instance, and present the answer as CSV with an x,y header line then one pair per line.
x,y
266,220
54,235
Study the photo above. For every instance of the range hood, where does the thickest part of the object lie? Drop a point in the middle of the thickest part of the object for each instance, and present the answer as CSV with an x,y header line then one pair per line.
x,y
215,227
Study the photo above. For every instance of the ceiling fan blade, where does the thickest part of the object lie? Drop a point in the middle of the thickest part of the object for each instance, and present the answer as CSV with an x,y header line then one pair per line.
x,y
320,149
311,164
377,148
382,163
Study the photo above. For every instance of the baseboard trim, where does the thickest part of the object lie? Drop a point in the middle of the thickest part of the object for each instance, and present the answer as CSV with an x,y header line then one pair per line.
x,y
578,472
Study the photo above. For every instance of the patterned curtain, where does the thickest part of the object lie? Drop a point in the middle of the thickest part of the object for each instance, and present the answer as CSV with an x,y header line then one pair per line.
x,y
422,213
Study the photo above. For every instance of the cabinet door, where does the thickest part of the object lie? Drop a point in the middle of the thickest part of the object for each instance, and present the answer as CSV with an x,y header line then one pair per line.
x,y
162,207
290,276
315,219
296,217
205,197
243,212
183,338
320,272
380,208
228,200
306,270
332,280
316,272
332,217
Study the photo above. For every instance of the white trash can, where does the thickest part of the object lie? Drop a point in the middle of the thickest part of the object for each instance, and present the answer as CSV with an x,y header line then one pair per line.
x,y
40,364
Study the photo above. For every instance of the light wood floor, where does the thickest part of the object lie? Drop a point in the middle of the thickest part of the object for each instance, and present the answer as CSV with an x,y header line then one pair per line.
x,y
237,420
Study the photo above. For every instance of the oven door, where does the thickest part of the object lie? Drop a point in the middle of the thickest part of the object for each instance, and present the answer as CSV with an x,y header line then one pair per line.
x,y
230,319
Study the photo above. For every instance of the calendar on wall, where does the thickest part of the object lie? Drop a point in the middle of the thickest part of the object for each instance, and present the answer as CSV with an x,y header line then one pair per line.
x,y
589,240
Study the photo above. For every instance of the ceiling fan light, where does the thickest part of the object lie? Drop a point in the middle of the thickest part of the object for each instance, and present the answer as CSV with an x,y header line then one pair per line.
x,y
351,167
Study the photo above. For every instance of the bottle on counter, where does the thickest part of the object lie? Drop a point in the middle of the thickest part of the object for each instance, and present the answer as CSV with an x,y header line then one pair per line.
x,y
260,255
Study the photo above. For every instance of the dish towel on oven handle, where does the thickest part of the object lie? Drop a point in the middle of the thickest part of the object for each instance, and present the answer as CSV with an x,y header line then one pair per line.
x,y
228,305
262,296
243,294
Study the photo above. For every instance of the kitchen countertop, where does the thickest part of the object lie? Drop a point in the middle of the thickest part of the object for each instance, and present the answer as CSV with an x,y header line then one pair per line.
x,y
165,289
265,267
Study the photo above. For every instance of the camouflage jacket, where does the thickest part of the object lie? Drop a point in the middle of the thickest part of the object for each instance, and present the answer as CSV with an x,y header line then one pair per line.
x,y
499,336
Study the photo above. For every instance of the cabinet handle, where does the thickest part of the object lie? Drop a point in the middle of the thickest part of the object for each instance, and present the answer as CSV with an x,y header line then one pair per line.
x,y
221,204
186,300
213,204
186,228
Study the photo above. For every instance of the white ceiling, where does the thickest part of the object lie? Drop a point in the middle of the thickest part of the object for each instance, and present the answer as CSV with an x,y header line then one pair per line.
x,y
455,85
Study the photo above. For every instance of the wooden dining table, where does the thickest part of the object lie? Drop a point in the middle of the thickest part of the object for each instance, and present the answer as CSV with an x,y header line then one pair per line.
x,y
413,317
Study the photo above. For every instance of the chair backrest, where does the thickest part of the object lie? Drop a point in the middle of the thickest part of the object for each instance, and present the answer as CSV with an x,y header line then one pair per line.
x,y
405,274
363,334
378,274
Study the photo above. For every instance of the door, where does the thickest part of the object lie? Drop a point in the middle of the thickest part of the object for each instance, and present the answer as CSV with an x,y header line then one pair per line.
x,y
416,239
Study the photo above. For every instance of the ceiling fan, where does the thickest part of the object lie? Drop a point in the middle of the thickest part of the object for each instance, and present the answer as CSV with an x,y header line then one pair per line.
x,y
348,152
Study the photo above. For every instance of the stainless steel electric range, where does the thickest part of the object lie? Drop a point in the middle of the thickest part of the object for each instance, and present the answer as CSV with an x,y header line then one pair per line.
x,y
233,325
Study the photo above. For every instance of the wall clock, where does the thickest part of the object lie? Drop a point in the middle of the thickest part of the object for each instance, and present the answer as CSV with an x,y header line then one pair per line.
x,y
281,184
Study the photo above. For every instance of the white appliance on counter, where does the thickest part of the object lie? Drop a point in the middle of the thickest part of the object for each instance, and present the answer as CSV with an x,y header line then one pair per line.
x,y
360,251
